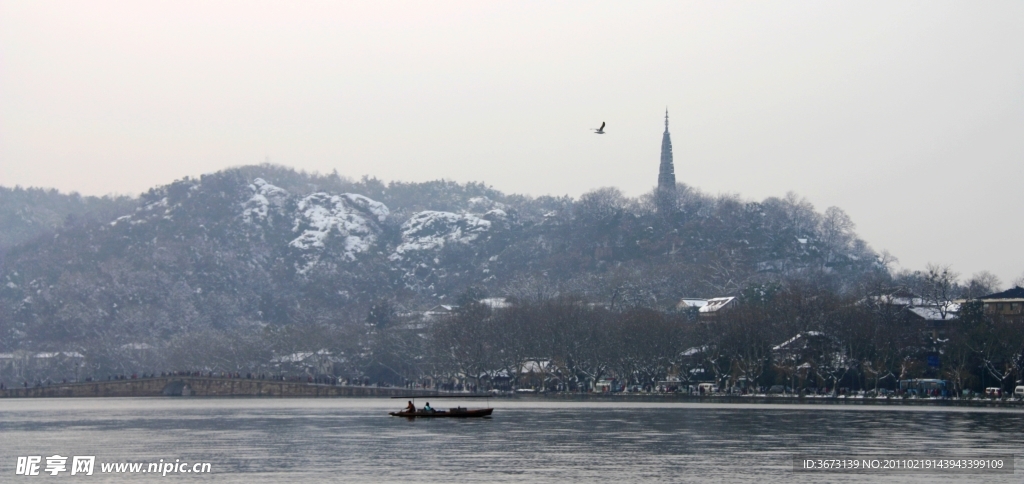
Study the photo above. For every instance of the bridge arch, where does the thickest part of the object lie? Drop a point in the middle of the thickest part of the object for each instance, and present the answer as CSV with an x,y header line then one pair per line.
x,y
176,388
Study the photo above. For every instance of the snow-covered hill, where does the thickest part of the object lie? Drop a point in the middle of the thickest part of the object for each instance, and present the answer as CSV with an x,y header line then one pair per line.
x,y
352,220
430,231
265,245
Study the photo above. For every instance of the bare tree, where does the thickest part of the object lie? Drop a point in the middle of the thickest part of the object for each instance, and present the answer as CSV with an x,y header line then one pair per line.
x,y
747,332
514,332
939,287
461,342
531,288
981,284
579,339
836,233
959,357
645,342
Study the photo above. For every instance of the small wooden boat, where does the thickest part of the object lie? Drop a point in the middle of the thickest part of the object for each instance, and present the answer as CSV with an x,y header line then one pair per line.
x,y
458,412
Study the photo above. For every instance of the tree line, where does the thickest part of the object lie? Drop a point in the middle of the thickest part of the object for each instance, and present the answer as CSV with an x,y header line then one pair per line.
x,y
795,334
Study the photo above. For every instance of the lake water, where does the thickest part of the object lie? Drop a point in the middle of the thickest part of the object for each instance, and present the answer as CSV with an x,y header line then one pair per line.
x,y
354,440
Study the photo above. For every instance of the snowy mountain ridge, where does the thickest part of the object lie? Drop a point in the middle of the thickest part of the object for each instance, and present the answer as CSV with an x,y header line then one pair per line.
x,y
431,230
353,222
265,196
258,245
354,219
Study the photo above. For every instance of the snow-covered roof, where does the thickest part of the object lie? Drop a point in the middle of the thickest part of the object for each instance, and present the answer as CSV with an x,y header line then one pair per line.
x,y
55,354
898,300
787,342
919,306
691,302
704,305
496,302
932,313
440,309
292,358
529,366
301,356
136,346
535,366
693,351
794,339
1016,294
715,303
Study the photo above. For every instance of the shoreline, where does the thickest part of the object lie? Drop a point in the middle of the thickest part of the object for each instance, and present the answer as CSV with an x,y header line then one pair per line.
x,y
206,388
782,400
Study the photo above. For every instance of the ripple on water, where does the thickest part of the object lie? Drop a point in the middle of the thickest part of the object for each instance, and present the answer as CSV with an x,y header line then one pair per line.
x,y
254,441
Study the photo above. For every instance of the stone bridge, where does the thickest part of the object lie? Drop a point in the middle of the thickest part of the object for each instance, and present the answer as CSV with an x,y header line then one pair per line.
x,y
165,386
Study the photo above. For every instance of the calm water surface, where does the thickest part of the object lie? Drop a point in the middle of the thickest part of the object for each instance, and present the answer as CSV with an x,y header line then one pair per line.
x,y
353,440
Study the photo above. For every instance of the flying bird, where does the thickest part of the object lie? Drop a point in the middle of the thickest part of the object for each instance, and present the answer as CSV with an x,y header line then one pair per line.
x,y
600,130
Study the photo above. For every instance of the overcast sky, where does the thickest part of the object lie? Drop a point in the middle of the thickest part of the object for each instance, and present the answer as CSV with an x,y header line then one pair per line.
x,y
908,115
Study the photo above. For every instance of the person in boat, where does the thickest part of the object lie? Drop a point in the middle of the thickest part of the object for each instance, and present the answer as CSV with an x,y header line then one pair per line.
x,y
426,408
410,407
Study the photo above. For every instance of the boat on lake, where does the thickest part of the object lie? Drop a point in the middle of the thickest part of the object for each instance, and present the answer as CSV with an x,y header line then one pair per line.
x,y
458,412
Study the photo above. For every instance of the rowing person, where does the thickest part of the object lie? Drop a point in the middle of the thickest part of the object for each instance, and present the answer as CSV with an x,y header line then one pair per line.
x,y
410,407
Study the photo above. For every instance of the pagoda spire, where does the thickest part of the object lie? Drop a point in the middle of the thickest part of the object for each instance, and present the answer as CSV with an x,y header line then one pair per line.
x,y
666,172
